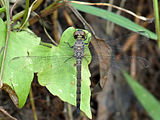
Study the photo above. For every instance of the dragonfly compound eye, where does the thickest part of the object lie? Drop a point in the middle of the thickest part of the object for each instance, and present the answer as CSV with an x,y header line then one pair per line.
x,y
79,34
75,36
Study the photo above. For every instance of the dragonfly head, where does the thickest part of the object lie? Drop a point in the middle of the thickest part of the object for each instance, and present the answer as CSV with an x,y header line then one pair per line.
x,y
79,34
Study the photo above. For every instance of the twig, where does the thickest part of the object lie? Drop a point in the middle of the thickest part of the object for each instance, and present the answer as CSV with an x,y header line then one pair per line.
x,y
133,60
49,35
42,22
55,26
11,11
121,5
7,114
118,12
47,11
11,93
69,111
114,6
68,18
33,104
83,21
109,25
131,43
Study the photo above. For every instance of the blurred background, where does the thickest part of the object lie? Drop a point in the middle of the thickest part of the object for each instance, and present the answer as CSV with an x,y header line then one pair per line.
x,y
112,97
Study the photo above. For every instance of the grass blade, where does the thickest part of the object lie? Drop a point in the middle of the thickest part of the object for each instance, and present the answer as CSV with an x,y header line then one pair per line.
x,y
117,19
148,101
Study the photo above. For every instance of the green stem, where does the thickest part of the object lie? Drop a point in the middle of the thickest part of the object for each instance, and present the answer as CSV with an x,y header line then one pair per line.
x,y
33,104
6,3
156,11
20,14
26,11
3,9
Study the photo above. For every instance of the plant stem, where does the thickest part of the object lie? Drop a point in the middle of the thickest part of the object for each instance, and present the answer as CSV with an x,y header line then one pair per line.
x,y
33,105
2,9
26,12
20,14
156,12
7,39
69,109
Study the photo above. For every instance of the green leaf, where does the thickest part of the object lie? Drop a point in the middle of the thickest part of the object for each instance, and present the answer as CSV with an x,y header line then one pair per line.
x,y
148,101
117,19
55,66
19,44
61,79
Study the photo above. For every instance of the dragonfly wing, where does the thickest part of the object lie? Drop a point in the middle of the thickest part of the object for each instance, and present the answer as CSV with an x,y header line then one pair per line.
x,y
21,63
121,63
105,54
140,62
36,63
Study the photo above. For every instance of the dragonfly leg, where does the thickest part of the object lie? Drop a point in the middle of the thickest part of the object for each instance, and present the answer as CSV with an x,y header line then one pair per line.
x,y
68,44
86,43
68,59
86,39
1,49
86,59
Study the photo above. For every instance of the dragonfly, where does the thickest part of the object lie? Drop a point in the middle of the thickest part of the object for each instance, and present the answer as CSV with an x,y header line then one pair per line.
x,y
78,52
79,47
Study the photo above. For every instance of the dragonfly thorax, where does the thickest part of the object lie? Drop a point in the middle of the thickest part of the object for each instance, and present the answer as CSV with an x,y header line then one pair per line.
x,y
79,49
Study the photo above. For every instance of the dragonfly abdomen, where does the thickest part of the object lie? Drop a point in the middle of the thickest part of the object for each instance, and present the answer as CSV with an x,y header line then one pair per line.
x,y
79,46
78,98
